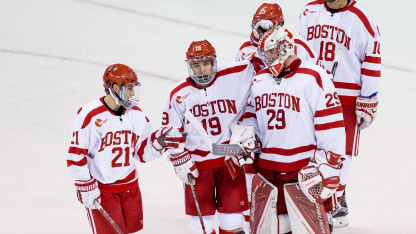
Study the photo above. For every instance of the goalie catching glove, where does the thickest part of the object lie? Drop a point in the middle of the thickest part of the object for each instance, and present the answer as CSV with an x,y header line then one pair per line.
x,y
366,111
166,138
320,179
245,138
87,192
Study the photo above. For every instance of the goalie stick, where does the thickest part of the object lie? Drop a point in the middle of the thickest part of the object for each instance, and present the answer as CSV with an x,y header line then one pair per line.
x,y
108,218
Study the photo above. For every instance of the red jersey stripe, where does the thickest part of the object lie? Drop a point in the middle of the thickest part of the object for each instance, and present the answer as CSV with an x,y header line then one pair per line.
x,y
198,152
179,87
313,73
300,42
330,111
315,2
331,125
93,113
371,59
347,100
344,85
282,167
140,151
78,151
369,72
79,163
289,152
245,44
363,19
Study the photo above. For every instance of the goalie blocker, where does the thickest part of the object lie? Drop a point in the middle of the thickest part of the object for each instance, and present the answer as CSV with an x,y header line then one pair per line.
x,y
304,215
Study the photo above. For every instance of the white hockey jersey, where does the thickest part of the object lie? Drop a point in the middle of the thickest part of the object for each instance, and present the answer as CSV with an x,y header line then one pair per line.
x,y
248,51
295,117
354,30
103,146
216,106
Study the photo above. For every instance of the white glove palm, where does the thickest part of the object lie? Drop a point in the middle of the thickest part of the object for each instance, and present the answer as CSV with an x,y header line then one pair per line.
x,y
320,179
87,192
245,137
261,27
166,138
366,111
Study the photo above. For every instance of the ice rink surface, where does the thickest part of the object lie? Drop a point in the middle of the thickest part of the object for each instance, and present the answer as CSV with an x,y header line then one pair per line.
x,y
52,57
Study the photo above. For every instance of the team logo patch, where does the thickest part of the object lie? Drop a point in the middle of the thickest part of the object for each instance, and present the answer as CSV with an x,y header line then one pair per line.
x,y
100,122
257,80
180,99
307,12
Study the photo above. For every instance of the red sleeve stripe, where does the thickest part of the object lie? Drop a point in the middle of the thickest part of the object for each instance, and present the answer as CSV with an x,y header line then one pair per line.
x,y
78,151
245,44
369,72
344,85
198,152
140,151
316,2
304,45
313,73
363,19
330,111
79,163
93,113
336,124
179,87
371,59
288,152
231,70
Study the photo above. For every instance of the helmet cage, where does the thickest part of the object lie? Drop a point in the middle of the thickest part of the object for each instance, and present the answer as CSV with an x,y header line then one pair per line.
x,y
120,99
203,79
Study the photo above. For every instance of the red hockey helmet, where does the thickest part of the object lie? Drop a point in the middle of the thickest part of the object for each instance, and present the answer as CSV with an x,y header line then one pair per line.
x,y
200,51
127,81
269,11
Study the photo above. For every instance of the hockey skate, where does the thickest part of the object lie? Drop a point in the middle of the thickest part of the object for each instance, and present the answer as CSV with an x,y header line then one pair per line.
x,y
339,216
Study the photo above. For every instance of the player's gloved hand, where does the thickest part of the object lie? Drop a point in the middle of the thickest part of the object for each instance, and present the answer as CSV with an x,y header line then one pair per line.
x,y
184,165
245,137
259,28
166,138
320,179
87,192
366,111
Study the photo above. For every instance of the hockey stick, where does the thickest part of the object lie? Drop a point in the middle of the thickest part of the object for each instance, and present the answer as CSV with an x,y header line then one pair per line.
x,y
108,218
190,180
336,61
198,126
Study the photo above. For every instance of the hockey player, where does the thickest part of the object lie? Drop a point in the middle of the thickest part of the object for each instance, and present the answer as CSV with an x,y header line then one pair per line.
x,y
216,96
297,114
107,134
267,16
345,25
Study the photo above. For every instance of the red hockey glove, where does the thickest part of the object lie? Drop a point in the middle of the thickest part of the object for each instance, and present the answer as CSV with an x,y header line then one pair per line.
x,y
87,192
166,138
366,111
184,165
320,179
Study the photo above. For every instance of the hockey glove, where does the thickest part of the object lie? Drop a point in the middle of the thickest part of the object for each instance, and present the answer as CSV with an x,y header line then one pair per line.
x,y
184,165
366,111
166,138
87,192
320,179
261,27
245,137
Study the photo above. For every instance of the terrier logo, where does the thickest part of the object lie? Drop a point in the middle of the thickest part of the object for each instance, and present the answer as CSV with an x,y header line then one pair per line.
x,y
100,122
180,99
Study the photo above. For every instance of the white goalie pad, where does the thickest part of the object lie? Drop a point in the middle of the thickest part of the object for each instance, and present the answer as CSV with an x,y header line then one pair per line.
x,y
263,216
305,216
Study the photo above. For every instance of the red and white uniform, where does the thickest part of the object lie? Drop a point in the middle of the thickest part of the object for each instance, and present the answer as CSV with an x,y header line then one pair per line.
x,y
293,118
354,30
103,147
221,103
248,50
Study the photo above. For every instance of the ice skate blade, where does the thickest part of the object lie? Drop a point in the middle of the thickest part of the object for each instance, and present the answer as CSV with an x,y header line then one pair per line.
x,y
340,222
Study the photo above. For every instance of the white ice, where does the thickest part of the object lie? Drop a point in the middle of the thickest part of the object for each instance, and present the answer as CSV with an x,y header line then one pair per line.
x,y
52,57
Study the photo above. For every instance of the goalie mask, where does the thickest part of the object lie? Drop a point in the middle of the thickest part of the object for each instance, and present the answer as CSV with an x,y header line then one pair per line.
x,y
126,79
276,45
202,62
268,11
